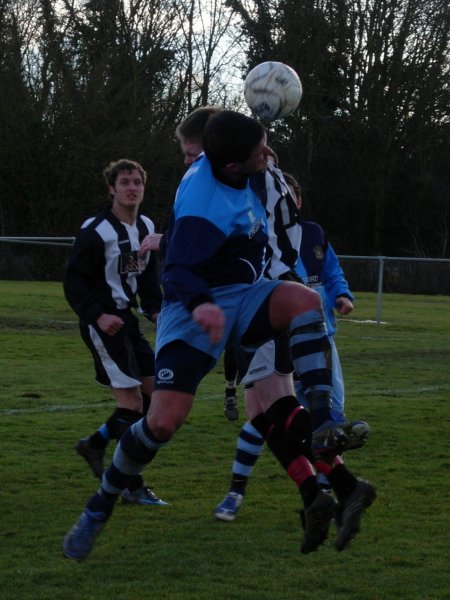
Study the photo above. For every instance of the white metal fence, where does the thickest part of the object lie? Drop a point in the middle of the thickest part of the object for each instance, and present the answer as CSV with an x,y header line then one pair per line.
x,y
381,263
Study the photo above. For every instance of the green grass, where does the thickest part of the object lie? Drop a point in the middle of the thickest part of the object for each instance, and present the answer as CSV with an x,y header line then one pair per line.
x,y
397,377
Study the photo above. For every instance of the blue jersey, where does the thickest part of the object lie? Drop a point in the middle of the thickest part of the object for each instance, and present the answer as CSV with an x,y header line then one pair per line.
x,y
217,236
319,268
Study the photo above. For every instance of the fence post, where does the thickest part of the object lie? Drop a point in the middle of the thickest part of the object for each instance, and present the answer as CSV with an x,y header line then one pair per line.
x,y
380,287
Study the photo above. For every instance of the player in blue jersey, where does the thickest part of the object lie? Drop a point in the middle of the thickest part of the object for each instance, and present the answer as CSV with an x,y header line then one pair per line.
x,y
104,278
190,135
214,294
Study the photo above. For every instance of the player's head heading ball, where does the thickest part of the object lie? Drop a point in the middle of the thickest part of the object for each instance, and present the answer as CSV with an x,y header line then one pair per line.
x,y
230,137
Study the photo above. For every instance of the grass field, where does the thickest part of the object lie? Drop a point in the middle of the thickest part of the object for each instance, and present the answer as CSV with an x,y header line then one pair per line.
x,y
397,377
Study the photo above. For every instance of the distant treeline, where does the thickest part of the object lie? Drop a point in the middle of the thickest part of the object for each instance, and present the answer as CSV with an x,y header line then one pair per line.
x,y
84,83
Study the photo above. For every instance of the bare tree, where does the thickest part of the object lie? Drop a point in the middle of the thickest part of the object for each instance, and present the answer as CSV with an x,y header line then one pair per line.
x,y
92,81
208,52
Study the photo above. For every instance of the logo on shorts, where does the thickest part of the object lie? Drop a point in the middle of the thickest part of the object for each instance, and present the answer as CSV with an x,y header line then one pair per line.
x,y
257,370
165,374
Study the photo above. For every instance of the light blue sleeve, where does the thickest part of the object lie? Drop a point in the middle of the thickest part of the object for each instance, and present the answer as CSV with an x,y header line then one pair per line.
x,y
333,278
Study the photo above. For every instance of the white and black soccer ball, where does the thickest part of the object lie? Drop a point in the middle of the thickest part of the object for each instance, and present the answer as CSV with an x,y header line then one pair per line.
x,y
272,90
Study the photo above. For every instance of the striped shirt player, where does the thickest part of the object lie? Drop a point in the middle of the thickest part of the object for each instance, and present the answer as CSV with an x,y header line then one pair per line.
x,y
282,250
285,232
106,281
105,274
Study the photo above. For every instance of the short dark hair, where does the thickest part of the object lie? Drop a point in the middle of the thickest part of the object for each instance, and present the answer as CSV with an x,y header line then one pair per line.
x,y
123,164
193,125
230,137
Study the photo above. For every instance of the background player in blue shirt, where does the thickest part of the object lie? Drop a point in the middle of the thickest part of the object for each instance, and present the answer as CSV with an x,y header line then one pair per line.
x,y
319,268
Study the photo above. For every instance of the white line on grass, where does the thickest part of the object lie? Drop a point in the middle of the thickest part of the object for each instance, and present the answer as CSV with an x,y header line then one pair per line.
x,y
364,321
408,392
74,407
50,409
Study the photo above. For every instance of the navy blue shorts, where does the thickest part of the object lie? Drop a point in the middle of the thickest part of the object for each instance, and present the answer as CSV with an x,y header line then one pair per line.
x,y
180,367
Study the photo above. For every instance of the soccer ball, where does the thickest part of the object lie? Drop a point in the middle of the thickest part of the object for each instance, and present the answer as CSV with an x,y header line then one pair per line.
x,y
272,90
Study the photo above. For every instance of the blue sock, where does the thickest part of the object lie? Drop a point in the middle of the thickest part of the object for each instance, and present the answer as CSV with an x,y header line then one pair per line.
x,y
312,358
136,449
104,432
249,446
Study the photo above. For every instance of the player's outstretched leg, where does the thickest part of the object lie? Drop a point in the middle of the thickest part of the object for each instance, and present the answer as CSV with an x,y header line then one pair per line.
x,y
79,541
137,447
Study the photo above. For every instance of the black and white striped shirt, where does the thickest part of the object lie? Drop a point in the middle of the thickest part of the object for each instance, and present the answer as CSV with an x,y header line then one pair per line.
x,y
105,274
285,231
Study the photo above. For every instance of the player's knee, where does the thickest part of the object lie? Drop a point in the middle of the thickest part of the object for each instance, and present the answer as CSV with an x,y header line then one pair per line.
x,y
290,302
307,299
163,425
162,429
299,428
